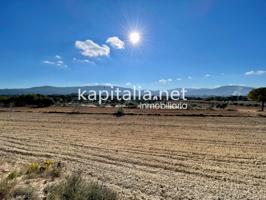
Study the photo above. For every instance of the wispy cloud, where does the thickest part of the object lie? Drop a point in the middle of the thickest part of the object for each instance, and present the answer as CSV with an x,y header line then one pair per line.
x,y
58,57
165,81
258,72
83,61
189,77
207,75
49,62
115,42
91,49
57,62
179,79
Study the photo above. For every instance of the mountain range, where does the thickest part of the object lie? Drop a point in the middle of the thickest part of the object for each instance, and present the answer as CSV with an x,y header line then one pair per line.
x,y
50,90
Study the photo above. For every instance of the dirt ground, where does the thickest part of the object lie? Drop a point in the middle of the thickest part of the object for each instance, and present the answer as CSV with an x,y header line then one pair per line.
x,y
147,157
231,111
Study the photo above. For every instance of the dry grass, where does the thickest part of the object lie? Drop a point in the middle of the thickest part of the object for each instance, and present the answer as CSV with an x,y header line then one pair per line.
x,y
38,180
20,182
147,157
74,187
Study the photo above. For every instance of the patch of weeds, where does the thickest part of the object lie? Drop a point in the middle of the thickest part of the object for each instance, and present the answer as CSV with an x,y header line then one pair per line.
x,y
55,170
6,185
32,170
13,175
24,192
10,187
75,188
47,169
33,167
48,163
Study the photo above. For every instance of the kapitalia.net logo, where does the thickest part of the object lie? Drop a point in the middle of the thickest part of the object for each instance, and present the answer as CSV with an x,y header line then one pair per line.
x,y
146,99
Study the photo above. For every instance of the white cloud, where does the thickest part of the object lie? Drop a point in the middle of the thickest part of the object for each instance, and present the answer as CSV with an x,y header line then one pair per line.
x,y
91,49
258,72
128,84
189,77
83,61
165,81
115,42
48,62
207,75
179,79
58,57
57,61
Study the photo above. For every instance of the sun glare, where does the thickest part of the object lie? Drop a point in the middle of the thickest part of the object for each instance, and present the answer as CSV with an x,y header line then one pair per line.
x,y
134,37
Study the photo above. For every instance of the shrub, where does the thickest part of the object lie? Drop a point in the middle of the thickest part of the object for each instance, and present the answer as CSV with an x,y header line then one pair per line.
x,y
48,168
33,168
75,188
222,105
119,112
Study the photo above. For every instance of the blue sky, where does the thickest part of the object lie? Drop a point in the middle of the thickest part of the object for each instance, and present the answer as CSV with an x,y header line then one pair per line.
x,y
197,43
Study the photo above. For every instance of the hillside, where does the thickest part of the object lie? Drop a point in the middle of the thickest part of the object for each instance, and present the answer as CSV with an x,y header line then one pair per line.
x,y
50,90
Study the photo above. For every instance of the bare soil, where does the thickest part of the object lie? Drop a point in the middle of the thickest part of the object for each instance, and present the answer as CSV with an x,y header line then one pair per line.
x,y
146,156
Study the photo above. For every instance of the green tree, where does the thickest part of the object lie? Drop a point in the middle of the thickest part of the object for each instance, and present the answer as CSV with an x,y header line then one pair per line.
x,y
258,94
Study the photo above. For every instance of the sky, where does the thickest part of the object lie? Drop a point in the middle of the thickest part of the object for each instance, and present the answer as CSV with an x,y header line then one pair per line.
x,y
179,43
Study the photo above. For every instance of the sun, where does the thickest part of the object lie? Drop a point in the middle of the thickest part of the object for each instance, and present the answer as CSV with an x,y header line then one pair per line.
x,y
134,37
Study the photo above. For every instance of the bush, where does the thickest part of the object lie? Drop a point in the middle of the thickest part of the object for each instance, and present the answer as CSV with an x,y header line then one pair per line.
x,y
47,169
75,188
222,105
33,167
119,112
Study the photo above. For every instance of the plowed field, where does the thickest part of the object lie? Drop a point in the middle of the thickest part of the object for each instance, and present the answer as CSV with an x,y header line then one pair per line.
x,y
147,157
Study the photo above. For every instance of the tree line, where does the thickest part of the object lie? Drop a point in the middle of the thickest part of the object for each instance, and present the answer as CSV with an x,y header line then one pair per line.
x,y
38,100
34,100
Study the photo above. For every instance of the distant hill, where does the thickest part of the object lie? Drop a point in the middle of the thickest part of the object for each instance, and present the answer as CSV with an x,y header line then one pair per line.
x,y
220,91
50,90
